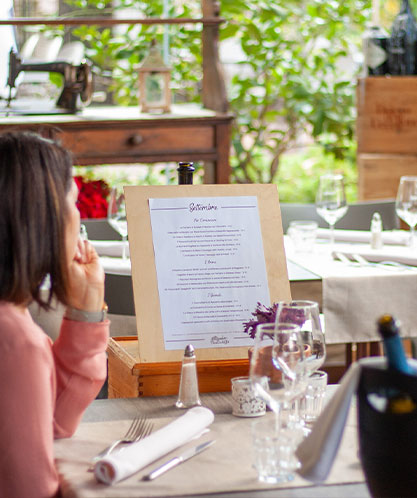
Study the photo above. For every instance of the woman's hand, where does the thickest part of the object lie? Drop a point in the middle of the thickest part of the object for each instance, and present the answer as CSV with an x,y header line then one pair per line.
x,y
86,279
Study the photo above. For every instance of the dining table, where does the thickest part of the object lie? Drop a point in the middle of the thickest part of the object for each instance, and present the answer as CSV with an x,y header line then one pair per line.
x,y
352,294
224,470
360,283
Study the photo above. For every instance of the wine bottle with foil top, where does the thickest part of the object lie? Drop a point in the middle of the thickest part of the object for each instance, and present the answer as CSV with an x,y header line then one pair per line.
x,y
402,42
375,45
185,173
388,328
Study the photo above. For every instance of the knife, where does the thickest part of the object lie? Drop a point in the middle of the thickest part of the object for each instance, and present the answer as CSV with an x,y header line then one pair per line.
x,y
177,460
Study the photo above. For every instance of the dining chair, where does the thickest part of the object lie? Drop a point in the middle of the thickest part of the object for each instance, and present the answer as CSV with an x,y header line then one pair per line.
x,y
100,229
358,216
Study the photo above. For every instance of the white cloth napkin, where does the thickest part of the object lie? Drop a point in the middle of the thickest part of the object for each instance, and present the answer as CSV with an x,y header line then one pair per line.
x,y
136,456
402,255
394,237
113,248
116,266
317,452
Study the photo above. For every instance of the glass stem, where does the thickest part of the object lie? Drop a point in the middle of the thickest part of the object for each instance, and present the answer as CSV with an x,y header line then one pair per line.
x,y
331,226
124,253
412,230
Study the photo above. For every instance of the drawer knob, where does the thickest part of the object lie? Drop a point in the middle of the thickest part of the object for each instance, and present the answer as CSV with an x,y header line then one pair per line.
x,y
135,139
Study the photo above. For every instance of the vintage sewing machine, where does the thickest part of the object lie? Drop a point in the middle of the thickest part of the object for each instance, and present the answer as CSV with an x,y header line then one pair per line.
x,y
78,83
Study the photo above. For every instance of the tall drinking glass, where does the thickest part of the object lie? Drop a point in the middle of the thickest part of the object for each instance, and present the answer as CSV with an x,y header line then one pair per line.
x,y
116,215
277,367
306,315
277,372
331,202
406,203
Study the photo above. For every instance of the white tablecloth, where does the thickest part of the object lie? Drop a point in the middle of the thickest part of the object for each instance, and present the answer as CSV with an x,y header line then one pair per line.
x,y
355,296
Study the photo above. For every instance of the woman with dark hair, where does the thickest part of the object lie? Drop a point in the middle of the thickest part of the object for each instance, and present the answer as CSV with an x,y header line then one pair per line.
x,y
45,387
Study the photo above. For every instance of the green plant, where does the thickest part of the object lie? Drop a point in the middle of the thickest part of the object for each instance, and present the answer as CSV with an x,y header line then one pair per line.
x,y
290,83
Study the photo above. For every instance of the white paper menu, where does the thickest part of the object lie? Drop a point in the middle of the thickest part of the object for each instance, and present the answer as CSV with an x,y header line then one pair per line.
x,y
210,268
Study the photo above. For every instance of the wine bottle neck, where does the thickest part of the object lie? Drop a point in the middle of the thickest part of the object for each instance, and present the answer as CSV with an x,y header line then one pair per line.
x,y
375,13
405,6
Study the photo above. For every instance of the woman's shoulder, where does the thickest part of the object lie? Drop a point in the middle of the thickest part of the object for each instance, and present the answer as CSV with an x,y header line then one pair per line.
x,y
17,327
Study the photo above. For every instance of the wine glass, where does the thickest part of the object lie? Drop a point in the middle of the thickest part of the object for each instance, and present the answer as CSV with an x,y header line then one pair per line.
x,y
277,372
116,215
406,203
277,367
306,315
331,200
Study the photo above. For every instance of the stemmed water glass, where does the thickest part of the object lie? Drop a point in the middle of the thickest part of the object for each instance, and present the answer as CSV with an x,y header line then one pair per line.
x,y
277,367
277,372
116,215
331,202
406,203
306,315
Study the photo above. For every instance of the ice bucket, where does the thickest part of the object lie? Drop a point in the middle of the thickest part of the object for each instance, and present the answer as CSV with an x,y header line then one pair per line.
x,y
387,441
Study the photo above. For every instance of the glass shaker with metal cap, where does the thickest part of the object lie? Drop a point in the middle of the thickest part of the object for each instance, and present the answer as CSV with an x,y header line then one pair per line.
x,y
188,395
376,231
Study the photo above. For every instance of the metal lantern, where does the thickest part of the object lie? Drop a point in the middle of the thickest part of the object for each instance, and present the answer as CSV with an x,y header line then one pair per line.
x,y
154,82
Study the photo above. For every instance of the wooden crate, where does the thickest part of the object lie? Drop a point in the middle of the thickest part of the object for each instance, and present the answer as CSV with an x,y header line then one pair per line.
x,y
387,115
128,378
379,174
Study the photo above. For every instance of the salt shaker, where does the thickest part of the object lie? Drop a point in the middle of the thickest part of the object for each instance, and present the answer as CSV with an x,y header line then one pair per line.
x,y
376,231
188,395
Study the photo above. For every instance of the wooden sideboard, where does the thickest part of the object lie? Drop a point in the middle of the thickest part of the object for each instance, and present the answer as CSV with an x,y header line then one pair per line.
x,y
119,135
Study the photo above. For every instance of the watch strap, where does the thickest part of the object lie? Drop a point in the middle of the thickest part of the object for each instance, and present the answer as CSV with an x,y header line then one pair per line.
x,y
86,316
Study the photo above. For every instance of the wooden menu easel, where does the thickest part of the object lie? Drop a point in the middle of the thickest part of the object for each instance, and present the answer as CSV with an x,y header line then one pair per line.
x,y
144,278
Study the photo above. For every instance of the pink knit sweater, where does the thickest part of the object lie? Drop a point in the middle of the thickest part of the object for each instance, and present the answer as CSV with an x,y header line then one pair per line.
x,y
44,390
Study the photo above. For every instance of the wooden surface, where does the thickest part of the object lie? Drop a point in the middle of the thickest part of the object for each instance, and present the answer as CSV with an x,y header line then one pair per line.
x,y
117,135
387,115
379,174
386,129
128,378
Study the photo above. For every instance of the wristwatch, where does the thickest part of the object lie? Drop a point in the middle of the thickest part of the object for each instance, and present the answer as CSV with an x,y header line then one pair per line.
x,y
86,316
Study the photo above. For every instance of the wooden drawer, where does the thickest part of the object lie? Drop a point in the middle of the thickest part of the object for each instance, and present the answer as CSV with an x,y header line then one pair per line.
x,y
136,142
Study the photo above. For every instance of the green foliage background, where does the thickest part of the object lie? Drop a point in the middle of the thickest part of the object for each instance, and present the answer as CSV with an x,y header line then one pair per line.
x,y
292,92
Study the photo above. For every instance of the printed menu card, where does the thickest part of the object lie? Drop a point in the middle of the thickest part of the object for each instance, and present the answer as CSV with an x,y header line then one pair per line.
x,y
210,268
202,257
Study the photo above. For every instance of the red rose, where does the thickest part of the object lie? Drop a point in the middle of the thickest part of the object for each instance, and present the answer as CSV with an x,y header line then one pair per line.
x,y
92,197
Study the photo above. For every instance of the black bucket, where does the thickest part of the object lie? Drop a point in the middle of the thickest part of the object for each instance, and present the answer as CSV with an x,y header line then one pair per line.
x,y
387,441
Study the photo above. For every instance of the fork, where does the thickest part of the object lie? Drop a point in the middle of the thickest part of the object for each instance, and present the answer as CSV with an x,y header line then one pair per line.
x,y
388,265
139,429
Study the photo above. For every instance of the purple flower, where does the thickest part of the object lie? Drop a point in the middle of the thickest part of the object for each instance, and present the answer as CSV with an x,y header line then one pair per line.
x,y
262,314
265,314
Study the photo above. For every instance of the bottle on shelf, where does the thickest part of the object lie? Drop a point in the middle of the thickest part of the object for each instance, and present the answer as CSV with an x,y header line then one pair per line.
x,y
389,328
185,173
375,45
402,42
